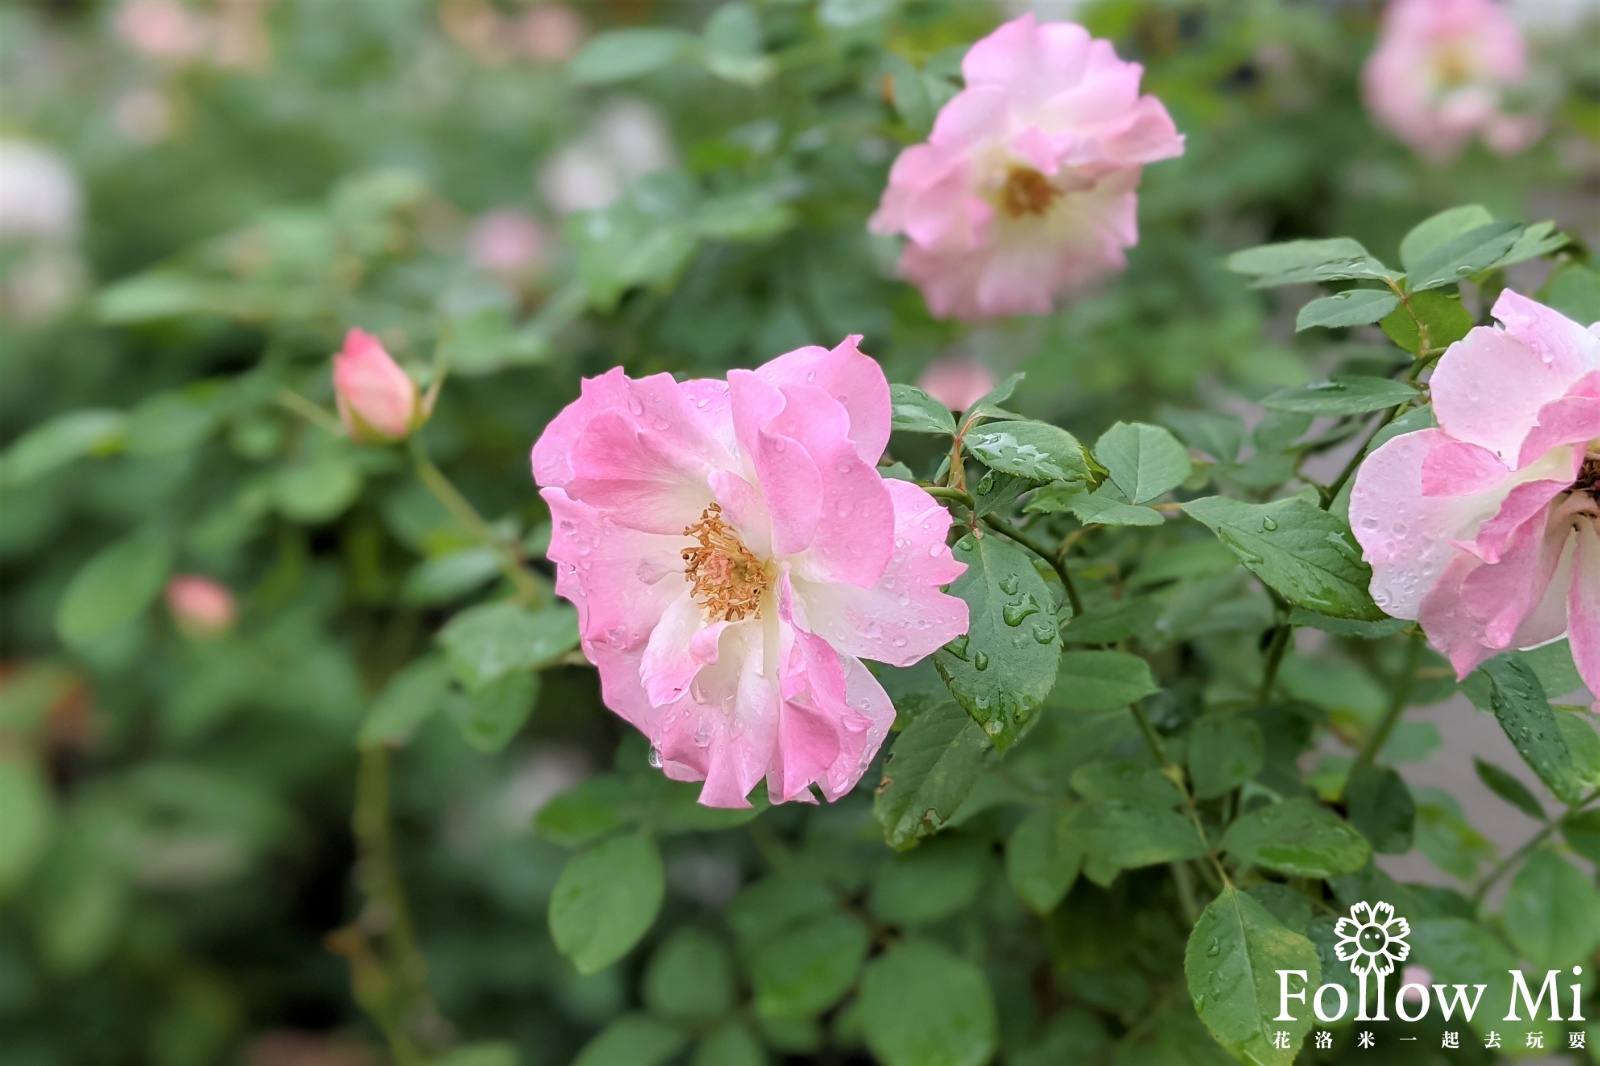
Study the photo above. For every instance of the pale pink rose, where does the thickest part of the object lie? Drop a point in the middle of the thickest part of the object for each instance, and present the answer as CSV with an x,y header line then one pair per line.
x,y
161,29
1486,530
377,400
550,32
734,554
1025,188
957,383
507,242
200,606
1439,76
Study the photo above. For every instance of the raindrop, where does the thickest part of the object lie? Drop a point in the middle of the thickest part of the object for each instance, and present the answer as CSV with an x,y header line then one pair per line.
x,y
655,756
980,661
1269,524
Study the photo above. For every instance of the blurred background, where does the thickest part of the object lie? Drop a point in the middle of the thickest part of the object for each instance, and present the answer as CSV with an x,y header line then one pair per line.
x,y
197,199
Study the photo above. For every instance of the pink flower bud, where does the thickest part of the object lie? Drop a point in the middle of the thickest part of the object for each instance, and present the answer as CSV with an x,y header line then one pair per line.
x,y
377,400
957,383
200,607
507,242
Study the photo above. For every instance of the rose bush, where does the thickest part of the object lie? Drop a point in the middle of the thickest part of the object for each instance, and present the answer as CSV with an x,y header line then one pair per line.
x,y
1038,674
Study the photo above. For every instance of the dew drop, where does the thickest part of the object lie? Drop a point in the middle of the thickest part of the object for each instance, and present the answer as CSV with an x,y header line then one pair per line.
x,y
655,756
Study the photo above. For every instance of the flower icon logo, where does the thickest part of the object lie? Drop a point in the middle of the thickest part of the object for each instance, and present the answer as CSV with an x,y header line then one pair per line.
x,y
1372,939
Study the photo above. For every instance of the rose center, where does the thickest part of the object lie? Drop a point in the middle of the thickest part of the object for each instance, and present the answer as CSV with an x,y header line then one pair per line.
x,y
1455,67
1589,477
724,577
1027,192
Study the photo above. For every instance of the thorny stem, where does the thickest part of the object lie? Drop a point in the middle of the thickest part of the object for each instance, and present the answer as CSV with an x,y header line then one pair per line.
x,y
1173,773
942,492
528,589
1505,865
1043,551
388,971
1281,635
1391,715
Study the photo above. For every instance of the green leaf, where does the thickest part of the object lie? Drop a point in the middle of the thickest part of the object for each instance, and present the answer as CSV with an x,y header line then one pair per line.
x,y
605,900
1582,832
733,45
730,1044
482,1054
487,642
319,488
1102,680
622,247
801,952
922,1006
930,770
1005,665
632,1040
1118,835
1345,395
1144,461
1447,321
1305,554
1126,780
1381,808
1103,507
1518,701
411,695
447,578
1459,951
914,411
988,405
64,439
171,422
620,55
1042,859
1433,233
1298,838
1232,963
1464,255
1508,788
1294,261
1552,912
114,587
1573,290
928,883
25,827
1224,753
491,714
1353,307
1028,449
1538,239
690,978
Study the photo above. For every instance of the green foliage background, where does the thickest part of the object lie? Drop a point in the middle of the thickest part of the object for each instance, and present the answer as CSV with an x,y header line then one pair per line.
x,y
181,880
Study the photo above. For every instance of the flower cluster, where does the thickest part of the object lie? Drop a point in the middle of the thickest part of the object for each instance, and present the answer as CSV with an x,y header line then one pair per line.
x,y
1486,529
734,554
1026,187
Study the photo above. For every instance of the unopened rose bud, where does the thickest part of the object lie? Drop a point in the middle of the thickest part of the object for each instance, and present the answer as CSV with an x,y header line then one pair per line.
x,y
201,607
378,401
957,383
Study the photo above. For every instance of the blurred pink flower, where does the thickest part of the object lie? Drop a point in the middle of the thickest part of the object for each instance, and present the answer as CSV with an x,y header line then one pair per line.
x,y
734,554
1025,188
1487,529
508,242
377,400
161,29
957,383
1439,76
200,606
549,33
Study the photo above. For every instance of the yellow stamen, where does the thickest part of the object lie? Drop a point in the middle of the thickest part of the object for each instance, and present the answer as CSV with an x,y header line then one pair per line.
x,y
725,578
1027,192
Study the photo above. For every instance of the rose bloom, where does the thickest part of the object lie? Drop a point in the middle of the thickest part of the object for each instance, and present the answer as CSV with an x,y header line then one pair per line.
x,y
1025,188
378,401
734,554
1438,76
200,606
161,29
1486,530
957,383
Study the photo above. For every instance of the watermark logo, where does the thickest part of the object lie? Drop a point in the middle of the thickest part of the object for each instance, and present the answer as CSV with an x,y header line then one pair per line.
x,y
1372,939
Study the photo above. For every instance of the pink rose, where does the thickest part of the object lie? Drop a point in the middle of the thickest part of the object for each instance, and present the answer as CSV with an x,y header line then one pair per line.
x,y
377,400
550,32
161,29
957,383
200,606
1438,77
1025,188
1487,529
734,554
